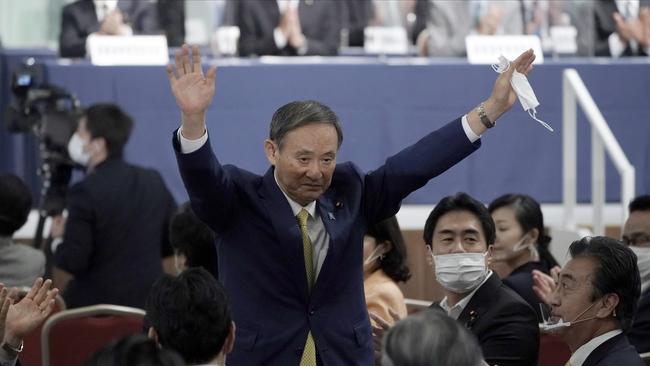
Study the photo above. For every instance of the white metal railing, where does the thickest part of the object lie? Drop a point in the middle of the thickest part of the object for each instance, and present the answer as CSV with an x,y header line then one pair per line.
x,y
602,140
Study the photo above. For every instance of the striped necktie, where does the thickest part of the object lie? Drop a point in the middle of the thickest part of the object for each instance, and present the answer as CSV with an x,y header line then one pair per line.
x,y
309,353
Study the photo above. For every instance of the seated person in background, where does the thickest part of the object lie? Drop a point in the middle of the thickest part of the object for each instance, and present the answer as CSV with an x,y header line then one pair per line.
x,y
449,22
622,28
193,241
19,319
521,244
289,27
597,293
116,233
190,314
430,338
105,17
20,264
384,265
135,350
636,234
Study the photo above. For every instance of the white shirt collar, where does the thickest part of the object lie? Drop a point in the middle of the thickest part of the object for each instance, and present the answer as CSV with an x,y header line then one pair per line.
x,y
295,206
284,4
580,355
457,309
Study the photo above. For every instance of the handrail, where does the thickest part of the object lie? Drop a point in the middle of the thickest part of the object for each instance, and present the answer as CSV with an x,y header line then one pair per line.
x,y
602,140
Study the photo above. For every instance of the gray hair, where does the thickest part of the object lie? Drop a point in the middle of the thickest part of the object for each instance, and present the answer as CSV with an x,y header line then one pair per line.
x,y
430,338
300,113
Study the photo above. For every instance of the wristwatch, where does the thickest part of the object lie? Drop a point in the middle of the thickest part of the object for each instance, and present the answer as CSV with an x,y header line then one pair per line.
x,y
483,116
11,350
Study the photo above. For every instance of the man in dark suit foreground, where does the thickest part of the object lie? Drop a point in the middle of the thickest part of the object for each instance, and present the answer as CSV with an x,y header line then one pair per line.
x,y
291,241
597,294
458,234
118,217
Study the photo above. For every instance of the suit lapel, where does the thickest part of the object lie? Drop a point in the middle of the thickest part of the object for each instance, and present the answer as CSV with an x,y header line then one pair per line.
x,y
287,231
481,302
611,345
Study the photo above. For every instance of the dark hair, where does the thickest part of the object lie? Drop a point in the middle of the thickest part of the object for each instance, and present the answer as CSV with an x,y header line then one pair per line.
x,y
190,314
460,202
617,273
135,350
15,203
111,123
300,113
528,214
640,203
393,262
431,338
189,236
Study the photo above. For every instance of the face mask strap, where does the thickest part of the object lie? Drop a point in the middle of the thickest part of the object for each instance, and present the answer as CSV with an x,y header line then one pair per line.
x,y
533,114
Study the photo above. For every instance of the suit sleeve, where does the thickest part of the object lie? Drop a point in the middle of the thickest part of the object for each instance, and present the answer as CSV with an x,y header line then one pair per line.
x,y
210,186
325,41
73,254
413,167
72,40
166,249
516,324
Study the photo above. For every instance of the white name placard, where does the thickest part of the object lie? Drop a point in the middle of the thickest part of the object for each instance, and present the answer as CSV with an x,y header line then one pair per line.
x,y
385,40
127,50
487,49
563,39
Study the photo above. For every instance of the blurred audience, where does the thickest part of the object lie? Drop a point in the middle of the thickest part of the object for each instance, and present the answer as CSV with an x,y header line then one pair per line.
x,y
622,28
289,27
117,227
20,264
521,244
190,315
135,350
193,241
19,319
384,265
430,338
171,19
449,22
105,17
595,302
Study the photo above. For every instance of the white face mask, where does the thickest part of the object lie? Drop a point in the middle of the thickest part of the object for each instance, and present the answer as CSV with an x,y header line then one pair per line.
x,y
76,150
512,252
460,272
643,262
524,91
376,253
552,324
179,263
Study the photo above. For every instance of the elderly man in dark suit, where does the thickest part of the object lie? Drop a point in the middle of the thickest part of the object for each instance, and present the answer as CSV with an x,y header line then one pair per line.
x,y
291,241
458,233
596,299
118,17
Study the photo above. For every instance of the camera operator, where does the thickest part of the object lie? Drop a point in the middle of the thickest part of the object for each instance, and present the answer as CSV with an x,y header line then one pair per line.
x,y
116,231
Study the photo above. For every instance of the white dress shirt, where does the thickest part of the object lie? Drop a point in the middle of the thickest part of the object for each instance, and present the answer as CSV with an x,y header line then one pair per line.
x,y
457,309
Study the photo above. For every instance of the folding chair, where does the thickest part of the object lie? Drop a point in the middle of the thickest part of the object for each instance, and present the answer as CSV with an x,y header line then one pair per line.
x,y
71,337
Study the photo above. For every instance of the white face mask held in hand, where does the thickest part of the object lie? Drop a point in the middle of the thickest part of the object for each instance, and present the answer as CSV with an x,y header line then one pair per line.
x,y
523,89
643,262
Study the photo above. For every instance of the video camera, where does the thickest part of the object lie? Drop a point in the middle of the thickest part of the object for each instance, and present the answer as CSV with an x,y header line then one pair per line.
x,y
51,114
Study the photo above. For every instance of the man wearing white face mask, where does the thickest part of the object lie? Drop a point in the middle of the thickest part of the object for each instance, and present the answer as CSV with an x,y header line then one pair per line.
x,y
595,301
116,232
458,233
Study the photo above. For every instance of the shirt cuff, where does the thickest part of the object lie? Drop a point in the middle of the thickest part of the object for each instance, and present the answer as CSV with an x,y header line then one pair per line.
x,y
468,130
190,146
616,46
279,38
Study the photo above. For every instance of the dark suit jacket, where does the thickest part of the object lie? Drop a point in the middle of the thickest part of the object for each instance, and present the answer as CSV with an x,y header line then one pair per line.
x,y
261,261
504,324
116,233
521,281
79,20
639,333
320,22
605,26
616,351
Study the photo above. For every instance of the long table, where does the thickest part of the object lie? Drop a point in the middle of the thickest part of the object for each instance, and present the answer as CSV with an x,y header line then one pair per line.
x,y
384,104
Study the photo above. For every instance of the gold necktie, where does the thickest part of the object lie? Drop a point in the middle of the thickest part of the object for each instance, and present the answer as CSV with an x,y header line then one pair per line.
x,y
309,353
567,363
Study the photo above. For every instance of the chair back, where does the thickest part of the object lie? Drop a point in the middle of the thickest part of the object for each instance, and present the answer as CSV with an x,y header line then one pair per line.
x,y
32,342
552,350
71,337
